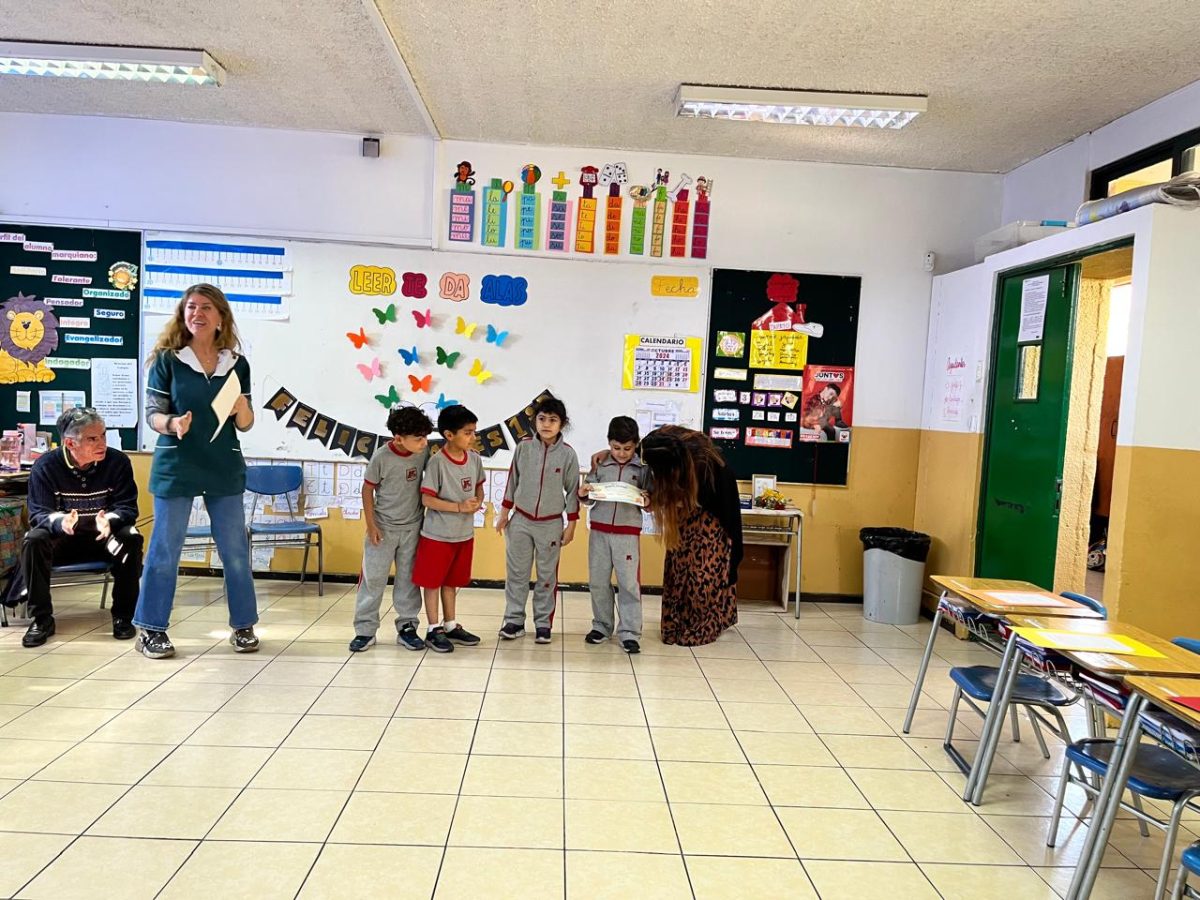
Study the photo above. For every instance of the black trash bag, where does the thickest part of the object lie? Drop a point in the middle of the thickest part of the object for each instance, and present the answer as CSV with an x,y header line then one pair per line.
x,y
904,543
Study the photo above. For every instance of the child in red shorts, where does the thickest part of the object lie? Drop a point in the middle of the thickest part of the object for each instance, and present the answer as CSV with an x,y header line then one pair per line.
x,y
451,492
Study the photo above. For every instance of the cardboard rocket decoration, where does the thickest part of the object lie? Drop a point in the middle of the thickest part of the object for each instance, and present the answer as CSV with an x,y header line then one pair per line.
x,y
585,215
640,194
558,226
462,204
614,175
659,223
529,210
495,213
700,218
679,216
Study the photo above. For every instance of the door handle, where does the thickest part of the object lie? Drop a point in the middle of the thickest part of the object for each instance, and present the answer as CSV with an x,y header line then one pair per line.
x,y
1058,485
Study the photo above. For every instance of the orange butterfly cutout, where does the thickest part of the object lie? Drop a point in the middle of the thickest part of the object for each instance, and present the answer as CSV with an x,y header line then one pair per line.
x,y
421,384
424,320
358,340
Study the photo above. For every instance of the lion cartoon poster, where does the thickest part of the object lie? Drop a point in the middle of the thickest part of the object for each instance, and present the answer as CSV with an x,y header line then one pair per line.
x,y
28,334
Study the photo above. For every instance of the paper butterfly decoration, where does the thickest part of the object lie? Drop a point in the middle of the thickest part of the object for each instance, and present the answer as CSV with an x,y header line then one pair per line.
x,y
465,327
358,340
424,320
420,384
372,371
447,359
390,399
410,357
442,402
496,337
478,372
385,315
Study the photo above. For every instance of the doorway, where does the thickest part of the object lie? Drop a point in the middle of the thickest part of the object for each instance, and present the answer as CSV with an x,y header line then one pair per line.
x,y
1054,401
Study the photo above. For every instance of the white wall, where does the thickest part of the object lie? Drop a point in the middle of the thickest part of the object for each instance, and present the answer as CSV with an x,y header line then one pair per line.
x,y
136,173
853,220
808,217
1053,185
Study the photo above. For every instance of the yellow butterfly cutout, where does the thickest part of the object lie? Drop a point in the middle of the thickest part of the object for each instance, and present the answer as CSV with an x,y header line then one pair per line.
x,y
465,327
478,372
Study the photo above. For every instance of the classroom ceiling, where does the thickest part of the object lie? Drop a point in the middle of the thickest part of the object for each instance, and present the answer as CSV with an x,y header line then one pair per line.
x,y
1007,79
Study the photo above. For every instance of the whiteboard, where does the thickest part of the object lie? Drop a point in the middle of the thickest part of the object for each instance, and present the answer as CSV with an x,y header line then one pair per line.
x,y
568,337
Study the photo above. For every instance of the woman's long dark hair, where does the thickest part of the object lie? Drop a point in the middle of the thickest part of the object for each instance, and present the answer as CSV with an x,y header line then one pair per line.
x,y
680,460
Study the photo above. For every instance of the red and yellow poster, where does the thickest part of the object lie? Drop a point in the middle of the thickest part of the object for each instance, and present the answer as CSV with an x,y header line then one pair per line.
x,y
827,404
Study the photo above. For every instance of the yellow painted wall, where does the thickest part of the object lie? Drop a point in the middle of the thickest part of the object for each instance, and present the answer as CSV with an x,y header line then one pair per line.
x,y
947,500
1153,569
882,491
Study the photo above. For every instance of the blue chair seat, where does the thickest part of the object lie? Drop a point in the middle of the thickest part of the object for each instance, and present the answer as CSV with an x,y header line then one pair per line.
x,y
1191,858
979,683
280,528
1157,773
99,567
200,531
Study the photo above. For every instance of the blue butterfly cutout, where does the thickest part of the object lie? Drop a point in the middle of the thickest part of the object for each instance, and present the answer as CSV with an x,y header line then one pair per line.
x,y
496,337
442,402
410,357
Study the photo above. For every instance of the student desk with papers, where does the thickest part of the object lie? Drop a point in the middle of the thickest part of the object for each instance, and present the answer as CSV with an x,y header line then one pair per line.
x,y
967,599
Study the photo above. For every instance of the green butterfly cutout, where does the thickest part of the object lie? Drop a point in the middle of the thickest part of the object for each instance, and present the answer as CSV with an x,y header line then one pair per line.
x,y
390,399
385,315
447,359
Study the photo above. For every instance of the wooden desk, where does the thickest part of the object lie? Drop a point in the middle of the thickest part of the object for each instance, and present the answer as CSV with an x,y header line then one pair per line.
x,y
1145,689
1175,660
778,528
972,592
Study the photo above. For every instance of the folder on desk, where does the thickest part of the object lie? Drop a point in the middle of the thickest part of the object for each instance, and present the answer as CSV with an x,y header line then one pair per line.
x,y
1082,642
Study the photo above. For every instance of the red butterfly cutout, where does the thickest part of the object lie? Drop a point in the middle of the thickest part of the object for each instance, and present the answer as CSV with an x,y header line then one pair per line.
x,y
358,340
421,384
424,320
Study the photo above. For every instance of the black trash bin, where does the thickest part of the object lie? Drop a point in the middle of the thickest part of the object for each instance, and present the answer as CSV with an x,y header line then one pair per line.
x,y
893,570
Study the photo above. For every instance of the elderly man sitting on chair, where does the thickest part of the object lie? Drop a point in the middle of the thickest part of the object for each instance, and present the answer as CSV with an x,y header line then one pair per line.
x,y
82,508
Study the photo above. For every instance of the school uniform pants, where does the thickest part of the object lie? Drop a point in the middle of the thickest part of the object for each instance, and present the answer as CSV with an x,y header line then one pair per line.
x,y
397,546
531,544
608,553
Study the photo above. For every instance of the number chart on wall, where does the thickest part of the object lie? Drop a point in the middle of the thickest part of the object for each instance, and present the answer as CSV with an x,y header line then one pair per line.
x,y
779,399
70,318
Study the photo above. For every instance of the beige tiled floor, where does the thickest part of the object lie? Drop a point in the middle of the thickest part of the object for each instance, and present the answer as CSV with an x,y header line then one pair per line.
x,y
769,764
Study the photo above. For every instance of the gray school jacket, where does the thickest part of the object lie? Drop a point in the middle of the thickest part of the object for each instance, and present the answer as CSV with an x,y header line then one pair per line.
x,y
543,481
616,518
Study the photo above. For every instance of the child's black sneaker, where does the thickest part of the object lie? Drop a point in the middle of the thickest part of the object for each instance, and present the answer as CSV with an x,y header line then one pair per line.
x,y
543,636
595,637
155,644
361,642
409,638
631,646
511,632
460,635
437,641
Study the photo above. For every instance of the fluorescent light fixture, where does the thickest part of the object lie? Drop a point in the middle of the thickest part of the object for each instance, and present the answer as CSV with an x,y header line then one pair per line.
x,y
798,107
110,63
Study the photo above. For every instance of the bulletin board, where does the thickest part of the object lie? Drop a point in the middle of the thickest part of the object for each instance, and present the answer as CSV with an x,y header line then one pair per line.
x,y
86,306
337,333
779,393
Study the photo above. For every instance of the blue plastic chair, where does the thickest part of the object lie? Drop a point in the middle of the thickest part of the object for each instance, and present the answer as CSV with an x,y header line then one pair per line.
x,y
98,572
273,481
1158,773
1189,864
1089,602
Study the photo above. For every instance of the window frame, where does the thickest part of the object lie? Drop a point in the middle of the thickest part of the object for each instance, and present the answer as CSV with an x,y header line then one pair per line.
x,y
1172,149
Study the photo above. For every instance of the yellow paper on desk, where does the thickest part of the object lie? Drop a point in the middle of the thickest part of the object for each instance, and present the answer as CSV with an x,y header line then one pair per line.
x,y
1087,643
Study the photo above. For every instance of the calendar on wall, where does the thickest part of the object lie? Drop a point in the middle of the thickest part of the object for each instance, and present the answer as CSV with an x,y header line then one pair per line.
x,y
661,363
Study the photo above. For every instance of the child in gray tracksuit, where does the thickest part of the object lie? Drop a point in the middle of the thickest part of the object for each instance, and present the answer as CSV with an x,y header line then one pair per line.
x,y
393,513
542,485
613,542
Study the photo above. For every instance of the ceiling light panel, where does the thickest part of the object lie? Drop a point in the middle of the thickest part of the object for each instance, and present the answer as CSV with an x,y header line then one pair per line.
x,y
110,63
798,107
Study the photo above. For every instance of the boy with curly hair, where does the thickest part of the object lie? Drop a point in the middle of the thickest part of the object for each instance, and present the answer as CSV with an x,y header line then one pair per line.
x,y
394,513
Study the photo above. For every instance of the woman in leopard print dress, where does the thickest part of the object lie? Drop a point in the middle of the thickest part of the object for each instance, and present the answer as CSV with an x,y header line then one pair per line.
x,y
694,500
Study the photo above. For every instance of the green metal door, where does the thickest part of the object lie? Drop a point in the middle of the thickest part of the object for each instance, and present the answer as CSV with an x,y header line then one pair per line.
x,y
1027,426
